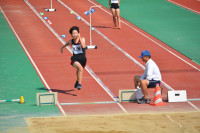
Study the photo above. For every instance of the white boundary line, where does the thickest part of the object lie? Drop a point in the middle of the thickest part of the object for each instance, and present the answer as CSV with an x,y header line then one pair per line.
x,y
193,106
183,6
115,45
121,50
151,39
87,67
30,58
83,103
172,120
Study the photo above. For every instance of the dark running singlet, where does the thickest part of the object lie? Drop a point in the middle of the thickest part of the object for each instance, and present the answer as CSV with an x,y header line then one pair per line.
x,y
78,53
77,48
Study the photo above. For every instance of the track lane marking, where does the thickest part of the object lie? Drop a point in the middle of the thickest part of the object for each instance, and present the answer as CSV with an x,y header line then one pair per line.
x,y
87,67
151,39
115,45
121,50
183,6
30,58
82,103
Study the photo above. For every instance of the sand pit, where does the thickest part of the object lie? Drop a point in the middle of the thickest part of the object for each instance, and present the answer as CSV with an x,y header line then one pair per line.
x,y
123,123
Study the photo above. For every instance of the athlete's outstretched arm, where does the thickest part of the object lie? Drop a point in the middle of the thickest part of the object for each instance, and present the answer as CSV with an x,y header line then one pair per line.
x,y
67,44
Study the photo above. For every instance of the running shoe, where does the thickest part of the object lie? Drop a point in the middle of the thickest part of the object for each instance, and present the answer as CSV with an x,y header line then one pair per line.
x,y
79,86
142,101
75,86
119,27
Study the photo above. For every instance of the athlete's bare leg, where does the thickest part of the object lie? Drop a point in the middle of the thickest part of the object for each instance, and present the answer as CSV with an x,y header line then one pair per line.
x,y
79,71
118,17
114,16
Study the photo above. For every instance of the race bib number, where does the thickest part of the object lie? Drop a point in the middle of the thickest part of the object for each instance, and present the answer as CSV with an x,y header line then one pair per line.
x,y
77,49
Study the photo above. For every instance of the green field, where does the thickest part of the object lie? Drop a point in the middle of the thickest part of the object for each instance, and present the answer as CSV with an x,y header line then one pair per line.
x,y
18,78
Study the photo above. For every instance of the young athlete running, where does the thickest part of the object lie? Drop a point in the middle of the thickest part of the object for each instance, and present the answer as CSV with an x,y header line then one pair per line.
x,y
114,7
78,60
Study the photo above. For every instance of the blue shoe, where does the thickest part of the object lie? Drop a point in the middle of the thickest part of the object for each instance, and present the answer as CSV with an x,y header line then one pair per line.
x,y
79,86
75,86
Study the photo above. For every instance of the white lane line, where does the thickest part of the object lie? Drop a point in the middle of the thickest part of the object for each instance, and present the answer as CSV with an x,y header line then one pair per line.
x,y
193,106
117,47
150,39
172,120
183,6
30,58
87,67
82,103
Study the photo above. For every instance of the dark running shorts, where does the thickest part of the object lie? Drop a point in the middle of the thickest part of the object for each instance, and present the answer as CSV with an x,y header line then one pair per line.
x,y
152,83
114,5
81,59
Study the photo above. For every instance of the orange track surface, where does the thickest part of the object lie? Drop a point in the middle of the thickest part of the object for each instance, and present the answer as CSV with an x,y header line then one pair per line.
x,y
113,68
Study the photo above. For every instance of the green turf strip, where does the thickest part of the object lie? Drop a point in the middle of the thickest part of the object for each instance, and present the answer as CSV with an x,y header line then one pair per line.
x,y
18,78
174,25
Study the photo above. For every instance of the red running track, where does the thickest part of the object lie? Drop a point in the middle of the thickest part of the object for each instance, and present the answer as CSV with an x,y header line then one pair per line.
x,y
113,68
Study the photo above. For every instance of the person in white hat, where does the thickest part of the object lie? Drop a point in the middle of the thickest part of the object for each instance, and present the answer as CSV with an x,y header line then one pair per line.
x,y
150,77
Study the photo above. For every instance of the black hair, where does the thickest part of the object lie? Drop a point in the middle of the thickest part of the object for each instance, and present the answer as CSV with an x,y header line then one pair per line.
x,y
73,28
149,56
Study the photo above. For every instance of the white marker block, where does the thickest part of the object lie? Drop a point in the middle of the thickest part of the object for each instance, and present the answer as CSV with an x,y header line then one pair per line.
x,y
177,96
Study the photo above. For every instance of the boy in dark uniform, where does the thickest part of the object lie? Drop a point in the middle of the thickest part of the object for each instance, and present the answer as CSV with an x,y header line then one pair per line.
x,y
78,60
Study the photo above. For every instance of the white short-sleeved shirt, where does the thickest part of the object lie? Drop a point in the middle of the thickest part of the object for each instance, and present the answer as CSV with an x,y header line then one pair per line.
x,y
114,1
151,72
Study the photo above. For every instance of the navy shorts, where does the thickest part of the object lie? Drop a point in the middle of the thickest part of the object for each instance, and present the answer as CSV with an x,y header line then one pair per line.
x,y
81,59
152,83
114,5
